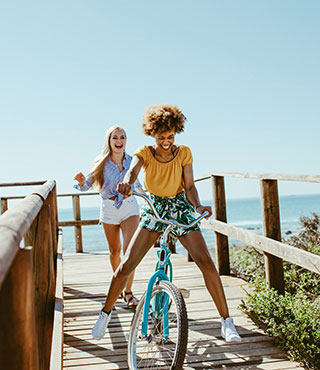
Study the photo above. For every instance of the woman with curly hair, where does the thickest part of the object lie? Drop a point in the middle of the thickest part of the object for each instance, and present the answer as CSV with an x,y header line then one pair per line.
x,y
118,212
168,176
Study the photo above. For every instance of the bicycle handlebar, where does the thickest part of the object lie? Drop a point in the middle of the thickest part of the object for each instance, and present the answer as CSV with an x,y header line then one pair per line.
x,y
172,221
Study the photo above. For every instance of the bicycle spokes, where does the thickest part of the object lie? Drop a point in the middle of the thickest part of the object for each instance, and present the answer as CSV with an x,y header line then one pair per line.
x,y
166,340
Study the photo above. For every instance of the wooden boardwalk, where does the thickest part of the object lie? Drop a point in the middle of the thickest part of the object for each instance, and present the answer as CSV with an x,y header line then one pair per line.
x,y
86,278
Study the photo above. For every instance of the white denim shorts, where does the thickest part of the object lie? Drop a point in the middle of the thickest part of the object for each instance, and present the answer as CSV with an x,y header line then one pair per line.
x,y
109,214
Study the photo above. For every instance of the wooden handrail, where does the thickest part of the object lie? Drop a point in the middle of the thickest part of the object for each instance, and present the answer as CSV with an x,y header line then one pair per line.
x,y
27,280
243,175
285,251
80,194
265,176
15,222
9,184
11,197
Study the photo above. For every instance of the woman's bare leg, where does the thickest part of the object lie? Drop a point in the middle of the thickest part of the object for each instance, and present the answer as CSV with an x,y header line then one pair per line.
x,y
112,233
128,228
139,245
196,246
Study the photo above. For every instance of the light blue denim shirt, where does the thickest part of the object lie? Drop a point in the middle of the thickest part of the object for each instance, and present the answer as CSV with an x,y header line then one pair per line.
x,y
112,176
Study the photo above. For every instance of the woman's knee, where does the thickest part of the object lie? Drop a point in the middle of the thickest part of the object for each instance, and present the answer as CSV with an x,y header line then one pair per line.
x,y
115,251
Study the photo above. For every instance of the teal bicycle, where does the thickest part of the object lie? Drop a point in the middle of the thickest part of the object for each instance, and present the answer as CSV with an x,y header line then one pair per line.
x,y
158,334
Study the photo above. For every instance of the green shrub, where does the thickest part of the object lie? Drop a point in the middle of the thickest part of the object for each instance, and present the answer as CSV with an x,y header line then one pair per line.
x,y
292,319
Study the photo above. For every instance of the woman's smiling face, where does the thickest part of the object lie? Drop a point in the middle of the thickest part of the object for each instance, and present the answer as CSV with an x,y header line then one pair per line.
x,y
165,140
118,141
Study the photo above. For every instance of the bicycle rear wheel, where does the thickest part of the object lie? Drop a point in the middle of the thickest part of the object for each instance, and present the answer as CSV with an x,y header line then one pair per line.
x,y
157,350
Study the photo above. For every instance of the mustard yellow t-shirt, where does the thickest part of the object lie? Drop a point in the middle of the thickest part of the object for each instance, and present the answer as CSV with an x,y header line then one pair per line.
x,y
164,179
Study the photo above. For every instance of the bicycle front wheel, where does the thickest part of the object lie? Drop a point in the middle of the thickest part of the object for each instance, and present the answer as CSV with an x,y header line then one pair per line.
x,y
165,345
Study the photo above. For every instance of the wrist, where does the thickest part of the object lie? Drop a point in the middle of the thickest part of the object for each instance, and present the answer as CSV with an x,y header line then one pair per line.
x,y
199,205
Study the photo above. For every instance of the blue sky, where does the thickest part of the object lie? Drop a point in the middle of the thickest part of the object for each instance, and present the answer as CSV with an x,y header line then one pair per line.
x,y
245,73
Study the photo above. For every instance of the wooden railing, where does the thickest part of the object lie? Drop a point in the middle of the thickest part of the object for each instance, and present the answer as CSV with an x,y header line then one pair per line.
x,y
28,279
77,222
270,243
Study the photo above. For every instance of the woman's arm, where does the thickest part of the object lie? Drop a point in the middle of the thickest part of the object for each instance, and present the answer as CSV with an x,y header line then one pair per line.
x,y
192,192
131,176
84,183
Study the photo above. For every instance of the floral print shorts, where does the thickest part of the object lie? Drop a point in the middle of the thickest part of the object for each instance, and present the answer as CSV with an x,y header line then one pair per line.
x,y
176,207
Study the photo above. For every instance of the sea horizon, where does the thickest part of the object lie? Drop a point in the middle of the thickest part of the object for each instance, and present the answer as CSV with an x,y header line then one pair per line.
x,y
241,212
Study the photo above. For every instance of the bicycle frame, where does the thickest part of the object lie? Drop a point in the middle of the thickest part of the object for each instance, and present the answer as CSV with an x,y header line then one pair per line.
x,y
163,262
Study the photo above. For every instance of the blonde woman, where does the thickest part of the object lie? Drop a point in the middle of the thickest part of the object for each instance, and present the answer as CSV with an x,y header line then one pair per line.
x,y
118,212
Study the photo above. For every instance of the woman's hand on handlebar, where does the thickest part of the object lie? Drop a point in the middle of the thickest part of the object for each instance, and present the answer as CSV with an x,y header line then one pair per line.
x,y
124,188
202,209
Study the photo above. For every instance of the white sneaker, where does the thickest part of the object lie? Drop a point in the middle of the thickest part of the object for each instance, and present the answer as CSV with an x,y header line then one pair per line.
x,y
100,326
228,331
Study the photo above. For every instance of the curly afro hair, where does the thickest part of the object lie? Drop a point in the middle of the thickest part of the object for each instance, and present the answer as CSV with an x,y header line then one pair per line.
x,y
162,117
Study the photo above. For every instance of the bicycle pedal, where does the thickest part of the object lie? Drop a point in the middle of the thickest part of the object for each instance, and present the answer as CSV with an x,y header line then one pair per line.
x,y
185,292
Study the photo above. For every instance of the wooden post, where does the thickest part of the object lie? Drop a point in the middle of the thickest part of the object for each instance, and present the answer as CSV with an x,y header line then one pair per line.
x,y
4,205
220,213
272,229
52,201
18,337
44,281
77,217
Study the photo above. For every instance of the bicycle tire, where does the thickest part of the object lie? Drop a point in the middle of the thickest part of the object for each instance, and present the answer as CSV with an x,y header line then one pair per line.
x,y
153,352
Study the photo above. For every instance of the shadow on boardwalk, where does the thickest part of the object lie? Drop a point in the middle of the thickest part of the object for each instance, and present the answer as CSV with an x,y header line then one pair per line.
x,y
86,280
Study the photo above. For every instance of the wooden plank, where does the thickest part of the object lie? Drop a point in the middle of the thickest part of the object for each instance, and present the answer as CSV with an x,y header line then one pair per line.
x,y
18,339
78,223
56,356
44,283
287,252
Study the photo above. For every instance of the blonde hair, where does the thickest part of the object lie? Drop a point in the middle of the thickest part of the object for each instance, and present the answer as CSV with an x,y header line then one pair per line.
x,y
97,168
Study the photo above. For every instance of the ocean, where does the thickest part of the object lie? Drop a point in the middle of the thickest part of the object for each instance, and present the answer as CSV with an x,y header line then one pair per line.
x,y
244,213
